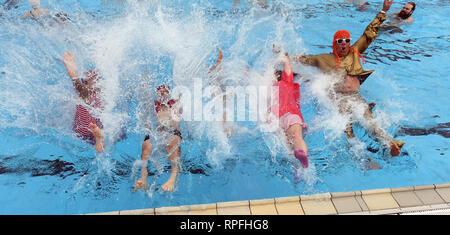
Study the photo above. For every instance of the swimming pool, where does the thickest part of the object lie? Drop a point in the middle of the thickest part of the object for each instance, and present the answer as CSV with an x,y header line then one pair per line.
x,y
45,169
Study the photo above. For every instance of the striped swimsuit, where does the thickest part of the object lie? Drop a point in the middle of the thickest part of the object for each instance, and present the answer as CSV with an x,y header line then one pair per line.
x,y
83,118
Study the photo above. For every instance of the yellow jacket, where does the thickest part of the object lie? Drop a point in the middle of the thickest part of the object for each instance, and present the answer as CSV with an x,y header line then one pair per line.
x,y
350,64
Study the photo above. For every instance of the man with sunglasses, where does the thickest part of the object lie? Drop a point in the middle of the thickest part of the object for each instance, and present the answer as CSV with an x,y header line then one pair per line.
x,y
345,63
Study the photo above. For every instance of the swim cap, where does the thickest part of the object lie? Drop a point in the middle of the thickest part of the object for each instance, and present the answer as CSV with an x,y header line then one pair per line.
x,y
164,87
35,3
343,34
89,75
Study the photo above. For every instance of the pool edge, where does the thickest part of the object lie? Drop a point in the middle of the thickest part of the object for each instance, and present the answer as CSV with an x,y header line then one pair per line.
x,y
388,201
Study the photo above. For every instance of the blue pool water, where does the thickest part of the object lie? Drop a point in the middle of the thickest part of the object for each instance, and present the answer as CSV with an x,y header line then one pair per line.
x,y
45,169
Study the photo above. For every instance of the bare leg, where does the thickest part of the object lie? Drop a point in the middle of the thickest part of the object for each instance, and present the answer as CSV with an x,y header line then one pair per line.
x,y
99,140
295,137
174,150
381,135
371,165
345,107
146,151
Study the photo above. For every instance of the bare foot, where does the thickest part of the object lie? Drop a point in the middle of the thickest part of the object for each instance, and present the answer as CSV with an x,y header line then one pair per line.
x,y
302,156
169,185
396,147
395,150
139,184
99,141
69,62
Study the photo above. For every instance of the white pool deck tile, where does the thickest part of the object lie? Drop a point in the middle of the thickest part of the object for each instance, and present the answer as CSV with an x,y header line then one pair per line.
x,y
444,193
234,208
263,207
407,199
345,205
421,199
289,206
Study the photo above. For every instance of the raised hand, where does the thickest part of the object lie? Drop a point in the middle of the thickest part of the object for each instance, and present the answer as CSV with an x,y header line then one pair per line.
x,y
71,66
387,5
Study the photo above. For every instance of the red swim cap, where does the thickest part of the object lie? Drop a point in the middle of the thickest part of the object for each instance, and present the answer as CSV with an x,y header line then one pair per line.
x,y
164,87
89,75
341,34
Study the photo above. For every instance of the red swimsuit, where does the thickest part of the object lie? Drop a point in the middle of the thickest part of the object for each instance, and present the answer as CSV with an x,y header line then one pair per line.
x,y
288,96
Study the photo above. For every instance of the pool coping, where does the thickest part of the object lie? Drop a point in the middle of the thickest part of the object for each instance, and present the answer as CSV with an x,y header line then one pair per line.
x,y
388,201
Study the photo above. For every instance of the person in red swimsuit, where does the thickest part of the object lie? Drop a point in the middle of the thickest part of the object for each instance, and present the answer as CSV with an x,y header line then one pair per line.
x,y
167,111
286,108
87,126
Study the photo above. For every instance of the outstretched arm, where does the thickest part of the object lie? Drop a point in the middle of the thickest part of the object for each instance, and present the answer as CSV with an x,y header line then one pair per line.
x,y
305,59
287,64
26,15
371,31
71,67
287,74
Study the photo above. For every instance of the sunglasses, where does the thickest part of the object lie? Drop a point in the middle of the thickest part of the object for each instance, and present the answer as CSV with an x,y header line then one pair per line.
x,y
342,40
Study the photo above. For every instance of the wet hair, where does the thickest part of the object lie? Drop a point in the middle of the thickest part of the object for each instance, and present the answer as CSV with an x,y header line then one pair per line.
x,y
90,75
278,73
413,4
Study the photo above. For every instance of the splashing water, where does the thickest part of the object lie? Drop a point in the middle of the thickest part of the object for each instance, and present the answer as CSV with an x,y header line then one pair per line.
x,y
137,45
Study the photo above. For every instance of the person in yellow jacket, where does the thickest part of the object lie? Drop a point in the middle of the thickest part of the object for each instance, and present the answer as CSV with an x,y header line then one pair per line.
x,y
345,63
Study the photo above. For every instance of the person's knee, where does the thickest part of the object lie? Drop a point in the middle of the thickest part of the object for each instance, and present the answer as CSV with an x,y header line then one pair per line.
x,y
295,131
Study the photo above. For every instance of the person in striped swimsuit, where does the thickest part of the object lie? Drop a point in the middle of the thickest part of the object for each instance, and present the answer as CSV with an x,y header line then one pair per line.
x,y
87,126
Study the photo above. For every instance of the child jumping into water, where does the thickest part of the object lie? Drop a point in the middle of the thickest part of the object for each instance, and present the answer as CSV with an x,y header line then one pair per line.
x,y
87,126
168,126
287,109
